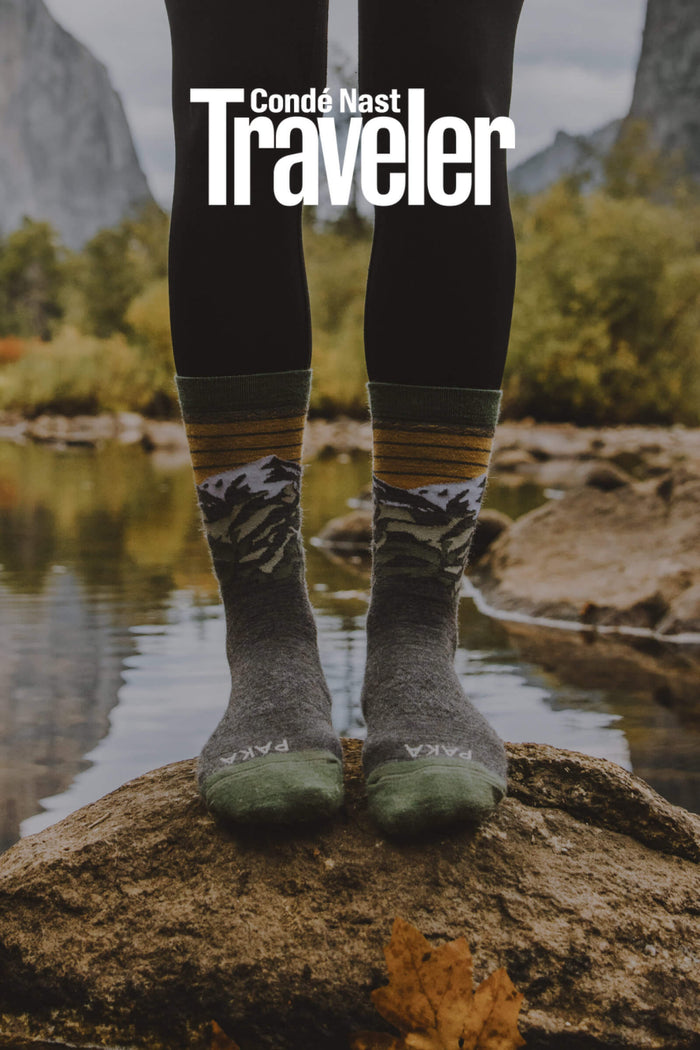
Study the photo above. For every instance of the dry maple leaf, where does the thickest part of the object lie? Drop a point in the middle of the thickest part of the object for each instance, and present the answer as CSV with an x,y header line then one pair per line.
x,y
219,1039
430,999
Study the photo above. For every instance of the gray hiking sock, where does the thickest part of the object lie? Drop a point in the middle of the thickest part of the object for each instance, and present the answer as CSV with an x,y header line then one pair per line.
x,y
274,757
430,758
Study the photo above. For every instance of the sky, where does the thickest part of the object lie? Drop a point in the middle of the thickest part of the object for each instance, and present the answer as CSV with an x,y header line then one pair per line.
x,y
574,67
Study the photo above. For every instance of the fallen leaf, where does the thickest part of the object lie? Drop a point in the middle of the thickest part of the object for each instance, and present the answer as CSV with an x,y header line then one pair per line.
x,y
430,999
219,1039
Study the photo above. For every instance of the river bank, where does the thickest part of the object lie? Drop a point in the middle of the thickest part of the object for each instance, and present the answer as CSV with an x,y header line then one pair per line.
x,y
548,453
615,543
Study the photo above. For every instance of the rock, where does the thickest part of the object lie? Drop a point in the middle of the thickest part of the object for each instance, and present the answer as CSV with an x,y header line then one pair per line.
x,y
74,430
162,434
489,526
666,92
545,441
650,691
137,921
351,533
66,152
606,477
620,557
566,154
667,86
332,437
684,615
512,459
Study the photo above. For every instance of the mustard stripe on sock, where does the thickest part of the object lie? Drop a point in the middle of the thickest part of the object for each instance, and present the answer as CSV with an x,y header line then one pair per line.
x,y
415,458
222,442
242,427
450,432
227,444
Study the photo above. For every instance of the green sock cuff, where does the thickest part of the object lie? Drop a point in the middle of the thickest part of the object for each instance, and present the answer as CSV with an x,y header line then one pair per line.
x,y
406,403
263,392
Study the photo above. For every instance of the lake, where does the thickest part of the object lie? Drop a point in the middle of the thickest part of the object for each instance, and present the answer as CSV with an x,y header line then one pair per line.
x,y
112,638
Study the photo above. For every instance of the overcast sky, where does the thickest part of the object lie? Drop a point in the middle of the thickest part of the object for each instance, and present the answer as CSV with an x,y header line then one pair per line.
x,y
574,70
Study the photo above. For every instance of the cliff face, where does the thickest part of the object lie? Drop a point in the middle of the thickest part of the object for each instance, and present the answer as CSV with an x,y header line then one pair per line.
x,y
667,88
666,94
66,152
568,153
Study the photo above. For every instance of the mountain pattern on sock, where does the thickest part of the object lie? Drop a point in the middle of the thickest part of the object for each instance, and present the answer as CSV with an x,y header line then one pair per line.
x,y
430,757
274,757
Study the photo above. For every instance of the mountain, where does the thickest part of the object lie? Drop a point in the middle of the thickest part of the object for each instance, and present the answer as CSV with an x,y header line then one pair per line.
x,y
568,153
667,88
666,94
66,151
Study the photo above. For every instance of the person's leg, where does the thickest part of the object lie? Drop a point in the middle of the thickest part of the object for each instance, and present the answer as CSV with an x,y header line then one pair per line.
x,y
437,321
241,338
238,293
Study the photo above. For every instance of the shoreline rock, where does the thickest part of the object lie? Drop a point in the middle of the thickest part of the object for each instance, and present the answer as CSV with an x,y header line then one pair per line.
x,y
137,921
544,452
621,556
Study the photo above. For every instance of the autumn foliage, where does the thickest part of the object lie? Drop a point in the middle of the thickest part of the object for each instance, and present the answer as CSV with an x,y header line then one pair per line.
x,y
432,1002
11,349
431,999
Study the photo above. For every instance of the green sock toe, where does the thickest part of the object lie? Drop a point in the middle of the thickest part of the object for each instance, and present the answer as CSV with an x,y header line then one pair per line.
x,y
409,798
299,787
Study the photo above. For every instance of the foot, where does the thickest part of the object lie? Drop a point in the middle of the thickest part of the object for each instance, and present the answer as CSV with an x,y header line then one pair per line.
x,y
275,757
430,758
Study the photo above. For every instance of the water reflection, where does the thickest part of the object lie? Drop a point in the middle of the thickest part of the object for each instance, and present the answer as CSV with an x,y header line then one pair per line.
x,y
112,639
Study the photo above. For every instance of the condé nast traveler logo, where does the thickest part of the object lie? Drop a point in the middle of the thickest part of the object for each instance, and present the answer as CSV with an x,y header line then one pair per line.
x,y
446,161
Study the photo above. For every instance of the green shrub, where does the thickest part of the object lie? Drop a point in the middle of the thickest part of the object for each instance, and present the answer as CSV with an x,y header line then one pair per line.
x,y
336,265
606,324
78,374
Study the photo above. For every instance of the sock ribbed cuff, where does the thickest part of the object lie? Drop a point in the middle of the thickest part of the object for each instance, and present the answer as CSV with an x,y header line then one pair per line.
x,y
227,397
234,421
427,436
406,403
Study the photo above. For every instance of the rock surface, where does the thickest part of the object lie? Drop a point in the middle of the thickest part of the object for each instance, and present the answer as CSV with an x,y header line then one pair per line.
x,y
667,87
566,154
66,152
651,691
666,94
137,921
624,556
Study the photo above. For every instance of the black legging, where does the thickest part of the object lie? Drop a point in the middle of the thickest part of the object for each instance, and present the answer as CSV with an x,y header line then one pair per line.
x,y
441,279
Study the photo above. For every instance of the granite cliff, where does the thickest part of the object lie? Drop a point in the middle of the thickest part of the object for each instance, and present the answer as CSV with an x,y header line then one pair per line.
x,y
667,88
666,94
66,152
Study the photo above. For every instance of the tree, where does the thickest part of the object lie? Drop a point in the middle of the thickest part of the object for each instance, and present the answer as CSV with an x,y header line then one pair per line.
x,y
116,266
31,280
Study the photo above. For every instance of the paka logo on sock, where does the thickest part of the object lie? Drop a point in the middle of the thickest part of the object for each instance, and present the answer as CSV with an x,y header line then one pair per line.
x,y
257,751
437,751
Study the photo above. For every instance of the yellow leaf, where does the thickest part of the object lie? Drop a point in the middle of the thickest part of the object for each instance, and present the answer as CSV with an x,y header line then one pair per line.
x,y
219,1039
430,999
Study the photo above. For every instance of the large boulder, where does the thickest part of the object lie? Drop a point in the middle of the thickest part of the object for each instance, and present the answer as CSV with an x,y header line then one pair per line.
x,y
138,920
627,555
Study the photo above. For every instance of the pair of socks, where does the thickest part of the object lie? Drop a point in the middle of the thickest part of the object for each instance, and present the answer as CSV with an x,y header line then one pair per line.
x,y
430,758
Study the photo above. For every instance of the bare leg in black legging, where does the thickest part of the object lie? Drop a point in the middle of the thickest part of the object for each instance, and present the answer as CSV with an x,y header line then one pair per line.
x,y
440,290
239,301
